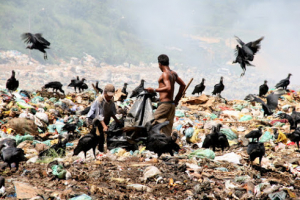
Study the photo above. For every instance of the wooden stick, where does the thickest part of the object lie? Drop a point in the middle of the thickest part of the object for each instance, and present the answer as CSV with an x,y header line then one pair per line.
x,y
186,87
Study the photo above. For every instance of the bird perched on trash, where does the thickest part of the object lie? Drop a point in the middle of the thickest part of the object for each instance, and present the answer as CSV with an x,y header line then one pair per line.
x,y
254,150
82,87
12,83
263,89
240,58
218,88
55,85
251,48
37,41
12,155
59,148
138,89
284,82
96,87
255,134
293,124
2,185
294,137
211,139
7,142
124,91
199,88
77,83
222,141
156,141
89,141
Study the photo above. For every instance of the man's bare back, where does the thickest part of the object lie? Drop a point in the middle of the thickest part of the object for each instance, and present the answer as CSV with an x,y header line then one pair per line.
x,y
166,85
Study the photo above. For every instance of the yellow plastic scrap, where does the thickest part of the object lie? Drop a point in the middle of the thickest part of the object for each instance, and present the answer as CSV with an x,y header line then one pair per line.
x,y
194,138
54,141
232,142
10,105
9,130
291,194
281,137
69,97
288,97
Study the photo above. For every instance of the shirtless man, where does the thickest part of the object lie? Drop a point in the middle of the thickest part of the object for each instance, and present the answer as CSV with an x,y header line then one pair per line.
x,y
166,106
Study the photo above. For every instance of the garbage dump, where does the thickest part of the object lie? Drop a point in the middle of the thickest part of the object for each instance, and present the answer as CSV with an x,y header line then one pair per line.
x,y
127,170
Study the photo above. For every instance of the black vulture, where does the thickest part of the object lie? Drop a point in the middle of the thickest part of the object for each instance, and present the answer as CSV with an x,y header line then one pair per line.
x,y
156,141
38,42
254,150
272,102
138,89
82,87
255,134
12,155
55,85
263,89
211,139
294,137
284,82
240,58
251,48
124,91
219,87
76,83
85,111
199,88
293,124
89,141
7,142
12,83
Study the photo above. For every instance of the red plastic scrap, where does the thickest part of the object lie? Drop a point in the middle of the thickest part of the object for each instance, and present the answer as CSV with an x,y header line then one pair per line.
x,y
225,108
279,120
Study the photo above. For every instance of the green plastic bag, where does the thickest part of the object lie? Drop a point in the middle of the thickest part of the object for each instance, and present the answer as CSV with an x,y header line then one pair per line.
x,y
266,137
37,99
20,138
179,113
59,171
213,116
229,133
189,132
238,107
245,118
47,142
202,153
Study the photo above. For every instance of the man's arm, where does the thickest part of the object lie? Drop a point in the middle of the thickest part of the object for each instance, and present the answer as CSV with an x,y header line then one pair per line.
x,y
181,89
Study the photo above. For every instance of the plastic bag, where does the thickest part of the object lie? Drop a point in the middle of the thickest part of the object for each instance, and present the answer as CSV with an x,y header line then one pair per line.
x,y
141,111
179,113
229,133
59,171
150,172
266,137
245,118
82,197
281,137
189,132
202,153
37,99
20,138
230,157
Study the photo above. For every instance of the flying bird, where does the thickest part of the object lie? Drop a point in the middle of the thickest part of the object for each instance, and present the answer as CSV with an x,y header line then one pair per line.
x,y
240,58
251,48
138,89
199,88
219,87
55,85
263,89
12,83
37,41
284,82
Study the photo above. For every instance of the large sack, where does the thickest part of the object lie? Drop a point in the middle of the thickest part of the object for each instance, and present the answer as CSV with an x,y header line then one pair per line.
x,y
22,126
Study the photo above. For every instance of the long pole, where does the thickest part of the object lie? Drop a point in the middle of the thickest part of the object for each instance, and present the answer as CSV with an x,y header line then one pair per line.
x,y
186,87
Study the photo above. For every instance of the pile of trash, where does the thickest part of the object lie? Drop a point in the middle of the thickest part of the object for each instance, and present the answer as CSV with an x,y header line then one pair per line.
x,y
38,121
